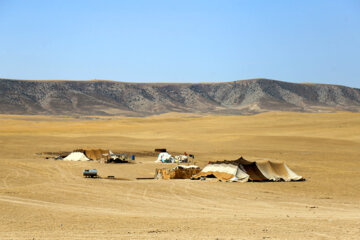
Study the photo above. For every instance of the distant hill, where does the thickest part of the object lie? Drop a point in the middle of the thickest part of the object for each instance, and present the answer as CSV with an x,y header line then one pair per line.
x,y
141,99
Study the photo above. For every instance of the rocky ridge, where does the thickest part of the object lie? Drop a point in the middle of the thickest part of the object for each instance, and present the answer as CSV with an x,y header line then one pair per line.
x,y
142,99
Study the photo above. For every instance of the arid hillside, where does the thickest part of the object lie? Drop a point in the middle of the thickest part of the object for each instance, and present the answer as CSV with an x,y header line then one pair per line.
x,y
142,99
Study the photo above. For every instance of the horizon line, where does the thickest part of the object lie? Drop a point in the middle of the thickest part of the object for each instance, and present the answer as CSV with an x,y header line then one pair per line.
x,y
171,83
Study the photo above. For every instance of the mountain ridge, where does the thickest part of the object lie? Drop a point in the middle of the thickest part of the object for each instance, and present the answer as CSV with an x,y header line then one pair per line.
x,y
103,97
175,83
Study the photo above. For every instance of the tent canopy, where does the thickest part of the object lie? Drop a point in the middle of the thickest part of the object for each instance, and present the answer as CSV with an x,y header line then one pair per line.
x,y
76,156
224,172
97,154
257,170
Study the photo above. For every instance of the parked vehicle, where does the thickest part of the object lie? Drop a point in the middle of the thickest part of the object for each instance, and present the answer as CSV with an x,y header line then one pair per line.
x,y
90,173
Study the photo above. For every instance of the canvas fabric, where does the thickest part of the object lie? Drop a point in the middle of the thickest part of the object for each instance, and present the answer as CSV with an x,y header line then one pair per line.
x,y
76,156
264,170
224,172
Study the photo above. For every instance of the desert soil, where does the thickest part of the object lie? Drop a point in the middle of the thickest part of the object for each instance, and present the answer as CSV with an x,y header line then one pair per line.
x,y
47,199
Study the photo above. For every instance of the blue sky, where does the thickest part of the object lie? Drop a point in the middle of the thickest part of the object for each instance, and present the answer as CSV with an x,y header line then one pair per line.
x,y
181,41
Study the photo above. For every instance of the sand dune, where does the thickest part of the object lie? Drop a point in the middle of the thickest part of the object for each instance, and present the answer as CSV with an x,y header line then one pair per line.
x,y
48,199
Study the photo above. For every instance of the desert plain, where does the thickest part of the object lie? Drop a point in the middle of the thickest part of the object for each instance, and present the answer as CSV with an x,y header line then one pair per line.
x,y
47,199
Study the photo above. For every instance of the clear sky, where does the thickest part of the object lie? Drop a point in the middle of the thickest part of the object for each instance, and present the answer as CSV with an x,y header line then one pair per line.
x,y
181,41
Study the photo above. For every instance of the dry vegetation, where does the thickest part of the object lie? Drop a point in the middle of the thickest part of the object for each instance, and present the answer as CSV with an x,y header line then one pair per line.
x,y
48,199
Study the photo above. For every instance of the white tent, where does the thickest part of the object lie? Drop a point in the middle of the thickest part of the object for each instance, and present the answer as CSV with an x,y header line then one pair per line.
x,y
76,156
225,172
163,156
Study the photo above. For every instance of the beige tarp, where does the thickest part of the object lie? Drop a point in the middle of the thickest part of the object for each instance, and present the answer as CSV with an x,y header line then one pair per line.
x,y
224,172
178,172
97,154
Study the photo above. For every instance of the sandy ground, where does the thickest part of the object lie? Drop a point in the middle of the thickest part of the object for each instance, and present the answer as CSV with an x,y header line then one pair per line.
x,y
48,199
